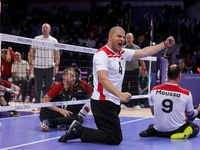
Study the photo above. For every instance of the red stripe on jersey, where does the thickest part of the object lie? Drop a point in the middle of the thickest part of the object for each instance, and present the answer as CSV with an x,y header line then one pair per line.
x,y
172,88
110,53
100,90
106,50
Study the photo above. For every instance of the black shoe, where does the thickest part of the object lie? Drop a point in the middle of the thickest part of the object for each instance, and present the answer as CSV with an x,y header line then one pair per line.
x,y
13,113
73,132
148,132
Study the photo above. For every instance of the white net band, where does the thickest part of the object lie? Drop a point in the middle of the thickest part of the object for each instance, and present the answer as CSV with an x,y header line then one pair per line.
x,y
67,47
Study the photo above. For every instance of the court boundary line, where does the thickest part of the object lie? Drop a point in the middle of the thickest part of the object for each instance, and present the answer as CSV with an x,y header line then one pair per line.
x,y
30,143
18,117
40,141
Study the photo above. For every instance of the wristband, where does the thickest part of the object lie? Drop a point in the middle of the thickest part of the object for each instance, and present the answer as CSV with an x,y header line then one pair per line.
x,y
165,44
8,90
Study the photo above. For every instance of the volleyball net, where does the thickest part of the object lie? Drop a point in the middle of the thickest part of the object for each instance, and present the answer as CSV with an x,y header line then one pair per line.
x,y
68,54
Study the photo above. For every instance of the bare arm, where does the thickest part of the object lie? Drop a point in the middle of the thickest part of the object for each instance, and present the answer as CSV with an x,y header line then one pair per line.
x,y
31,57
47,99
15,90
57,57
142,63
2,88
151,50
8,56
107,84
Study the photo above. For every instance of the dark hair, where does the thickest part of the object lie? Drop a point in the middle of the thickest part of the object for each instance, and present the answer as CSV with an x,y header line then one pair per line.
x,y
173,71
77,71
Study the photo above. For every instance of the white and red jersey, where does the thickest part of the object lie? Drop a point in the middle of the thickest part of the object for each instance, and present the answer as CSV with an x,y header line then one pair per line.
x,y
114,63
170,102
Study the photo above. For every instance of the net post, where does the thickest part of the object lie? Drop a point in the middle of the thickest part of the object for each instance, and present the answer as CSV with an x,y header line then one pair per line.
x,y
151,38
161,71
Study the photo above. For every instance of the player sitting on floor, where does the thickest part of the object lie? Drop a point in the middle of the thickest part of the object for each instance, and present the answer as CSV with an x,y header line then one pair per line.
x,y
172,106
59,116
6,86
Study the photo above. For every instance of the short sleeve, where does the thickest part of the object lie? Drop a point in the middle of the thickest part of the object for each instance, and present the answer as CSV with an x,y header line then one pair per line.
x,y
100,61
129,54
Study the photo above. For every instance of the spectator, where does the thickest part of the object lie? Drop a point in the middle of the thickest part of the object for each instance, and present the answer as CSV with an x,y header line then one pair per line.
x,y
75,66
20,73
184,69
7,59
132,71
46,61
143,85
30,84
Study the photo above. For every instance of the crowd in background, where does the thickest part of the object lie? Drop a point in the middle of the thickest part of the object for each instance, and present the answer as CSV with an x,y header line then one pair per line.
x,y
90,28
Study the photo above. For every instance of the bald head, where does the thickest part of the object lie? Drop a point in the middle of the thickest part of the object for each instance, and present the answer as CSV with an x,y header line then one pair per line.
x,y
46,29
115,29
129,34
129,39
173,72
116,38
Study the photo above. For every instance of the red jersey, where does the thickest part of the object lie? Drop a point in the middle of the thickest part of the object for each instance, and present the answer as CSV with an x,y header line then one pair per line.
x,y
6,66
6,83
59,93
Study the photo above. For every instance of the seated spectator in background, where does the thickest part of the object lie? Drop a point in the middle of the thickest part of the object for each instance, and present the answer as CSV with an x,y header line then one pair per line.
x,y
188,61
172,106
60,116
20,73
8,87
90,42
75,66
30,84
184,69
7,59
143,84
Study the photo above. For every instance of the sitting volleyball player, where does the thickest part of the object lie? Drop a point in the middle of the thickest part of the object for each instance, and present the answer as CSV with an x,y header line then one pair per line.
x,y
6,86
59,116
172,107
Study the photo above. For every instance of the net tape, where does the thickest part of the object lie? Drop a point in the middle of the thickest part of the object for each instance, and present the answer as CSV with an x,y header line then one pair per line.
x,y
39,105
68,47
